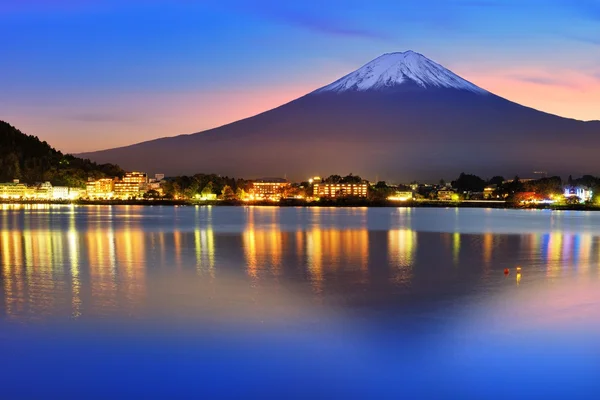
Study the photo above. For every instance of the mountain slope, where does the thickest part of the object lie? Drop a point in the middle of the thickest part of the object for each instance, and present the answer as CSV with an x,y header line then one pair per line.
x,y
27,158
399,117
392,70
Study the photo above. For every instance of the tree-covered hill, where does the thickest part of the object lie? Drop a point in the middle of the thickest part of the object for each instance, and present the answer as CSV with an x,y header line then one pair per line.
x,y
30,160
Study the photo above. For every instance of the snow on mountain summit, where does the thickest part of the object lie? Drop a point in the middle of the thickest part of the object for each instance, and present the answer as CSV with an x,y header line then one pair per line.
x,y
394,69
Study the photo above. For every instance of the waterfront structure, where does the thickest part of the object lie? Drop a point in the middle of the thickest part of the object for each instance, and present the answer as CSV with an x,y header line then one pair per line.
x,y
76,193
131,186
584,194
42,191
446,194
60,192
268,189
13,190
401,196
334,190
100,188
489,192
155,184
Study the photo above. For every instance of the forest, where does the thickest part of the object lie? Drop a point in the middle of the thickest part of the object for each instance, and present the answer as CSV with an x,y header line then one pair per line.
x,y
27,158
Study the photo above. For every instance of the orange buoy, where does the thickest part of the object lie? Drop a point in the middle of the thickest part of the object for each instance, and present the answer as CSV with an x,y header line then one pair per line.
x,y
506,271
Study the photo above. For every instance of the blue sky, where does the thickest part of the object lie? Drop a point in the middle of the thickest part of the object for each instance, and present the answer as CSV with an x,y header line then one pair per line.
x,y
93,74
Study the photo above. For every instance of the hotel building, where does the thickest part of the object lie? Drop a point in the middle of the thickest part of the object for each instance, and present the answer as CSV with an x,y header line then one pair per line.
x,y
271,189
100,189
13,190
132,185
333,190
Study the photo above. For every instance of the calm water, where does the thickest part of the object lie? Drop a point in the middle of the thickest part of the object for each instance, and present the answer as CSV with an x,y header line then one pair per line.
x,y
242,302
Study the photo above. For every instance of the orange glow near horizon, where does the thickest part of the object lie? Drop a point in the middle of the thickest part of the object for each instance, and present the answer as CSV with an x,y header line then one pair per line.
x,y
566,93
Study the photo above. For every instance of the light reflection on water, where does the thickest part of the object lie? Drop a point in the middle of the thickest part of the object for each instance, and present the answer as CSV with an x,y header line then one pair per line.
x,y
413,272
98,260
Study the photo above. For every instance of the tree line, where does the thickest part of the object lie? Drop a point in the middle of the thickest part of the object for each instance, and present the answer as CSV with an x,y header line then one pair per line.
x,y
31,160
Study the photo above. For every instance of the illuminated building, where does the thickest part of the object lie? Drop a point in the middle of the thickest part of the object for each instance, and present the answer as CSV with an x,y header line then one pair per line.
x,y
488,191
13,190
155,184
131,185
156,187
100,189
76,193
60,193
584,194
401,196
446,194
43,191
332,190
268,189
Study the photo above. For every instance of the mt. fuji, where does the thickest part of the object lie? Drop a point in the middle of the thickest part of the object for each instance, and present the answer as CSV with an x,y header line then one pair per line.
x,y
393,70
399,117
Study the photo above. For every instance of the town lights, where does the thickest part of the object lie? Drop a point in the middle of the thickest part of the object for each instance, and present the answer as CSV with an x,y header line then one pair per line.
x,y
398,198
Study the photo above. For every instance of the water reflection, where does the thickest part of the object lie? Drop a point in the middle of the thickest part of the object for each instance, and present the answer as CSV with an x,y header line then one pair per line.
x,y
330,250
263,246
103,261
402,245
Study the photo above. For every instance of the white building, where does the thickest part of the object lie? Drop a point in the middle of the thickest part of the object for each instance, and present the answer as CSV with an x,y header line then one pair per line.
x,y
60,193
583,193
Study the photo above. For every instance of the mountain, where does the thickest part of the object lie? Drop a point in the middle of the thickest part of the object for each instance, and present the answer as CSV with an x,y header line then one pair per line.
x,y
399,117
392,70
30,160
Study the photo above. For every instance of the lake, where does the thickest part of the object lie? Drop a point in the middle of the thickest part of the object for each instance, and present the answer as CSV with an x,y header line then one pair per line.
x,y
244,302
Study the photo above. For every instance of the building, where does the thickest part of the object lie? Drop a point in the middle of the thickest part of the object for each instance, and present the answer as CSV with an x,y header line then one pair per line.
x,y
100,188
155,184
446,195
13,190
41,191
60,193
133,184
401,196
333,190
268,189
76,193
139,178
489,192
583,193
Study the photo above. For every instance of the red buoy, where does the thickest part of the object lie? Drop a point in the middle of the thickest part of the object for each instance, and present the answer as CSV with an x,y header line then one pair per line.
x,y
506,271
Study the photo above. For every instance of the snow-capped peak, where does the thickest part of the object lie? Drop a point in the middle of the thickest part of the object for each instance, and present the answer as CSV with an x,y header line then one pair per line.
x,y
394,69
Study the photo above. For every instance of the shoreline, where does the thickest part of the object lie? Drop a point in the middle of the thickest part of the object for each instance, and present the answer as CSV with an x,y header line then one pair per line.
x,y
341,203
